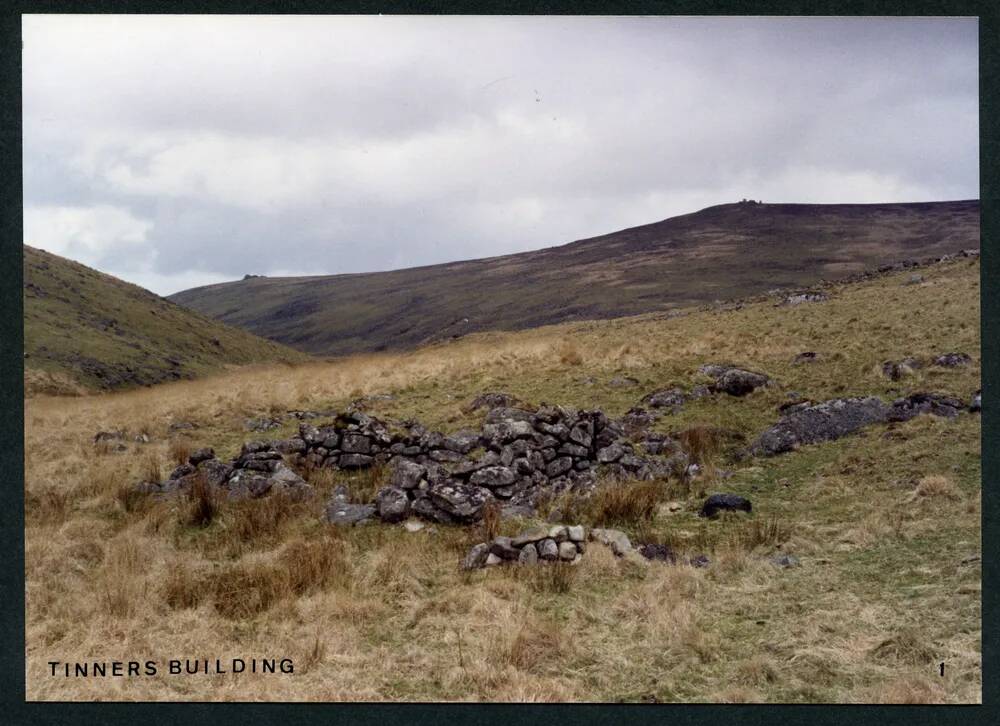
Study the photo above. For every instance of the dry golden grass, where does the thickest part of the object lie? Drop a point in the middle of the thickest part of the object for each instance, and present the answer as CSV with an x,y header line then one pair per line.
x,y
887,589
936,485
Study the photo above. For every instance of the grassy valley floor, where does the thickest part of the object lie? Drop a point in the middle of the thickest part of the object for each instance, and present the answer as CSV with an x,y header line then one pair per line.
x,y
885,525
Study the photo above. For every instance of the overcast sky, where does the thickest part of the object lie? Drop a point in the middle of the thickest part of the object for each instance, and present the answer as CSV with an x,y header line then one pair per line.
x,y
176,151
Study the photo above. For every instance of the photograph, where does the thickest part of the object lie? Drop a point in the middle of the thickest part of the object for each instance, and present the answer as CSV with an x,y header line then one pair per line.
x,y
603,359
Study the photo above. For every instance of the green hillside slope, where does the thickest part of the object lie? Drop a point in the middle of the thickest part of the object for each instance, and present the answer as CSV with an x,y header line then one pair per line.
x,y
85,329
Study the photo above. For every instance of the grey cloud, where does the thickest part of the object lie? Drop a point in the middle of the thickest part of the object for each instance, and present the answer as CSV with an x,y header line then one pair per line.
x,y
346,144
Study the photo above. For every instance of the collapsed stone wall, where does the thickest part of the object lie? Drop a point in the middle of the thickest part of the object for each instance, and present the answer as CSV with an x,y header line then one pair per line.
x,y
522,455
519,457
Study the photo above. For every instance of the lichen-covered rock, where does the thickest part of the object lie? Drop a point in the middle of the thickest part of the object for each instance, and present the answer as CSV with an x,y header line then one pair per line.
x,y
392,504
355,461
463,502
476,558
672,398
406,474
740,382
345,513
820,422
199,455
494,476
559,466
610,453
724,503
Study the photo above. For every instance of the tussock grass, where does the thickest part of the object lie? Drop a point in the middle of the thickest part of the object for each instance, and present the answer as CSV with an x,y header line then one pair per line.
x,y
937,486
624,502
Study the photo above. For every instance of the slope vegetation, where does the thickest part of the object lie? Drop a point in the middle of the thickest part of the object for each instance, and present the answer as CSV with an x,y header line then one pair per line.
x,y
722,252
87,330
857,573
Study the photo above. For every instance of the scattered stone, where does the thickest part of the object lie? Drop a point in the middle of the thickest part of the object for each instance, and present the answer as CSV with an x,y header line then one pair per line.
x,y
657,552
493,560
739,382
623,381
914,279
548,549
671,398
952,360
492,400
535,534
413,525
617,540
638,419
392,504
895,370
261,424
724,503
101,436
567,551
699,561
804,297
785,560
503,548
345,513
558,533
199,455
904,409
462,502
355,461
805,357
528,555
976,404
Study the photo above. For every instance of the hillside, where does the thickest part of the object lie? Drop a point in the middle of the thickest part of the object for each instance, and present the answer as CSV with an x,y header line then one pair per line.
x,y
857,573
721,252
84,329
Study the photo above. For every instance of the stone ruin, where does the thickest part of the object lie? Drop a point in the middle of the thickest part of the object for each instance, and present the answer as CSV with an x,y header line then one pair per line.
x,y
519,458
548,544
522,455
